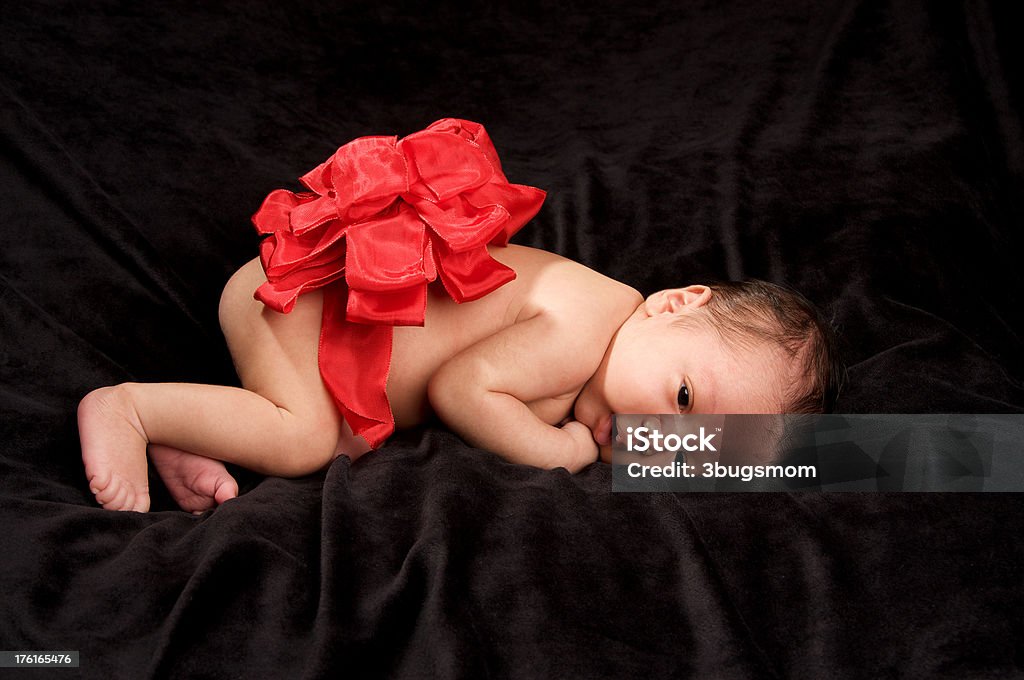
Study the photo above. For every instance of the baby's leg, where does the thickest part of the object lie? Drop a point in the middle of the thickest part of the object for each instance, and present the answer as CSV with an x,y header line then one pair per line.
x,y
283,423
228,424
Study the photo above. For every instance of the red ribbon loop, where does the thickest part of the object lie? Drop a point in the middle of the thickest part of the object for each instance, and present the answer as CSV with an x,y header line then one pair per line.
x,y
386,217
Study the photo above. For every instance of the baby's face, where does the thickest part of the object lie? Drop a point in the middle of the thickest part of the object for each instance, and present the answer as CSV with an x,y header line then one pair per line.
x,y
655,366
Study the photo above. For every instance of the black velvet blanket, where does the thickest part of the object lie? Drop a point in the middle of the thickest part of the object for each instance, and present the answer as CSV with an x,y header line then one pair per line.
x,y
869,154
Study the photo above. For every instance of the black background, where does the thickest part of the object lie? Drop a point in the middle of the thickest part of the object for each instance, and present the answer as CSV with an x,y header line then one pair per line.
x,y
870,154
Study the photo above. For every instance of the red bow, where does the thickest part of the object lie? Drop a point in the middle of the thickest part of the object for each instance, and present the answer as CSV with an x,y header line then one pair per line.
x,y
389,216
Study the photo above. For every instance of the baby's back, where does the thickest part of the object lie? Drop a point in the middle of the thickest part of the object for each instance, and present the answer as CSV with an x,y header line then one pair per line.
x,y
544,283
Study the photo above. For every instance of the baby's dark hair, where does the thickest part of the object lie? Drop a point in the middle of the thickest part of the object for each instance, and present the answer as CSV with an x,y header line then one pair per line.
x,y
754,311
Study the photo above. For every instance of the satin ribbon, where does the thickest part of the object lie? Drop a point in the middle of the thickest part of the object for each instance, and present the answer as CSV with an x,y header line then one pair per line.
x,y
383,218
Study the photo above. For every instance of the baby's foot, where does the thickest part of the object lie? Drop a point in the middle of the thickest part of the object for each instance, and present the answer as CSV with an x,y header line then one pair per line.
x,y
114,449
195,482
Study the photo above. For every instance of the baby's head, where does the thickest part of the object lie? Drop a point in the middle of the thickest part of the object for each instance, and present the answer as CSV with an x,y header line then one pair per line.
x,y
737,347
750,314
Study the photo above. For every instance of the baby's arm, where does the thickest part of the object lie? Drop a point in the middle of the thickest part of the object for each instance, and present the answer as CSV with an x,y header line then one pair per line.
x,y
483,392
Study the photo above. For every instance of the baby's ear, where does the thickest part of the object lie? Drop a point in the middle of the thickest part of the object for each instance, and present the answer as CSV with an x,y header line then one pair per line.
x,y
677,300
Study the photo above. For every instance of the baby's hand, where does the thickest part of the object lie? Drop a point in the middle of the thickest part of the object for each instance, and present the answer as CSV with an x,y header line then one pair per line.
x,y
583,450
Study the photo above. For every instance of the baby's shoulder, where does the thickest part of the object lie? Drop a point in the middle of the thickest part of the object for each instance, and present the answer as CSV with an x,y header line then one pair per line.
x,y
561,287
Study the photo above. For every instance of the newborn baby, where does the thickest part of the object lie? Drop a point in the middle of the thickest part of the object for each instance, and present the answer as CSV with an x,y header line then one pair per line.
x,y
520,351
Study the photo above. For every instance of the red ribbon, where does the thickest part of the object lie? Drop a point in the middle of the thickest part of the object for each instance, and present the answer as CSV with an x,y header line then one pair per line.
x,y
382,219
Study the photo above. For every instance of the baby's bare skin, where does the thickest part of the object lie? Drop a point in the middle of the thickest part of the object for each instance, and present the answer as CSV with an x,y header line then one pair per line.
x,y
504,371
533,372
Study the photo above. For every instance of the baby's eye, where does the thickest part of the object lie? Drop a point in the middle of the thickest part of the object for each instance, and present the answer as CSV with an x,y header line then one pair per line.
x,y
683,399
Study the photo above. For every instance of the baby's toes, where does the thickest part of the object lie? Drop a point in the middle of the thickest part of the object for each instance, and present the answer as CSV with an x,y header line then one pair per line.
x,y
226,490
106,488
119,494
100,483
208,492
138,501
